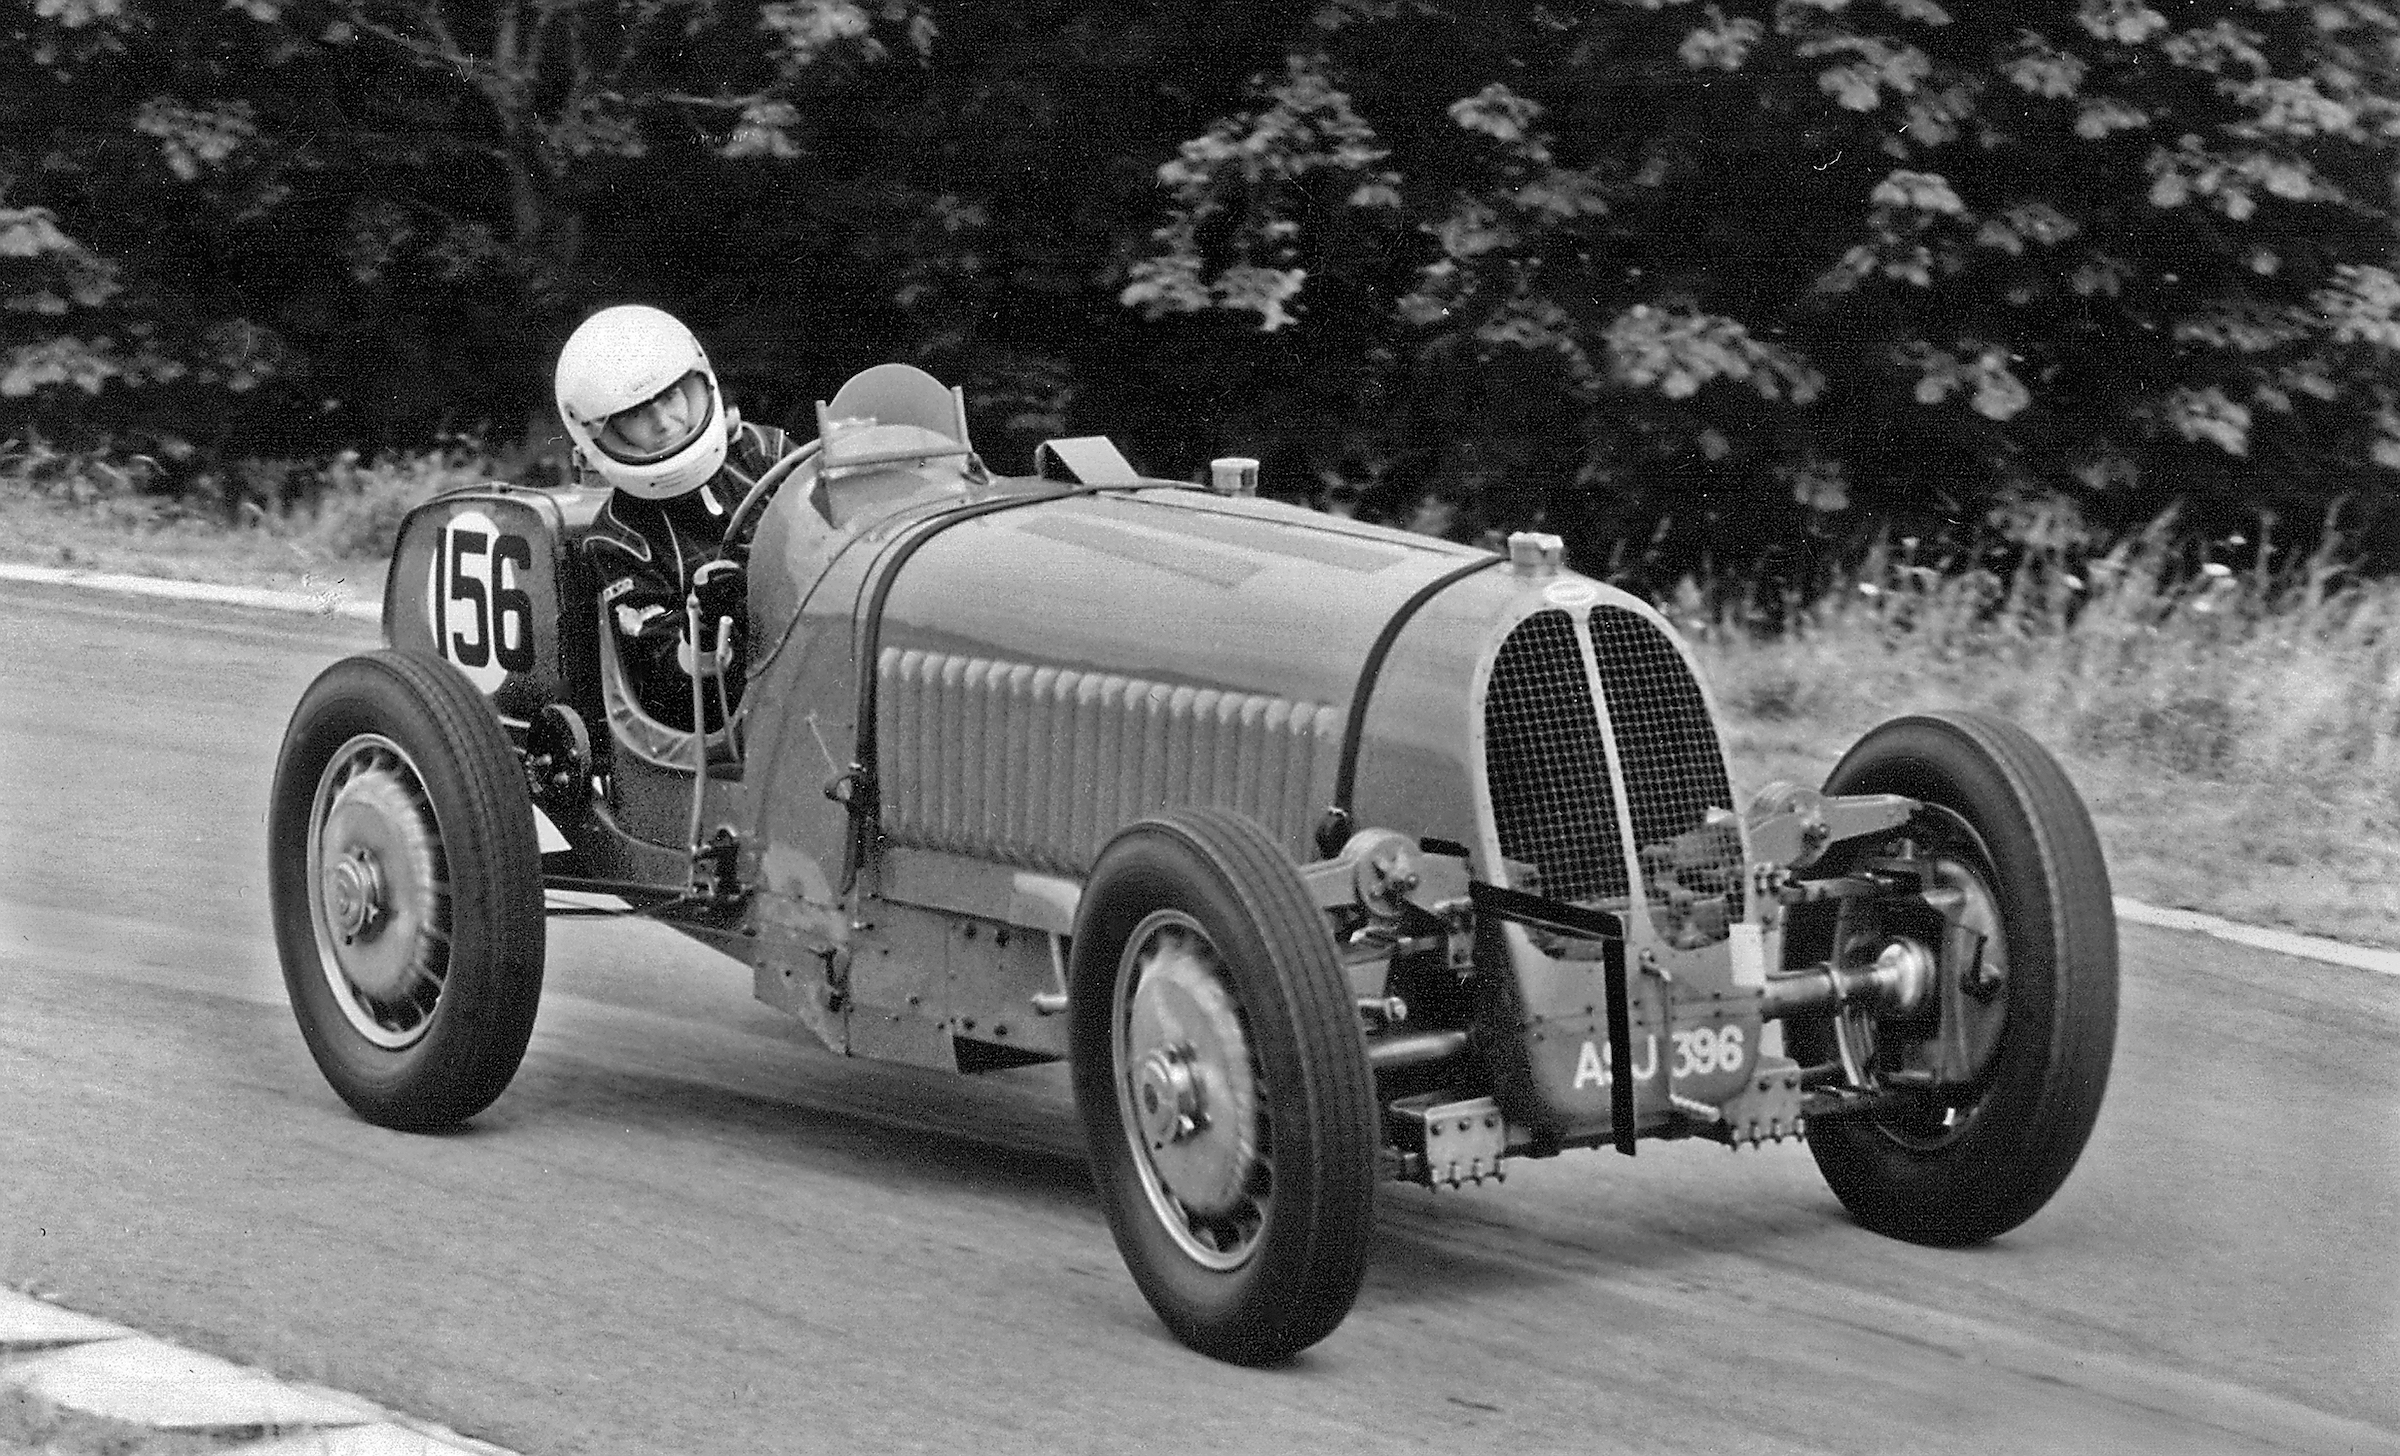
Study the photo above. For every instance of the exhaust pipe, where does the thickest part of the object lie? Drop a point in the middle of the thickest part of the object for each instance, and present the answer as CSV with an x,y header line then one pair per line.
x,y
1414,1049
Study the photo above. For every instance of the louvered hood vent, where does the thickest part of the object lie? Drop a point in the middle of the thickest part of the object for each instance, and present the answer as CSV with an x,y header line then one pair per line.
x,y
1038,766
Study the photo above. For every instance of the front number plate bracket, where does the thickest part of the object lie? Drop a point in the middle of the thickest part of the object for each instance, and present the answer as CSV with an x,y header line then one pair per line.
x,y
1462,1142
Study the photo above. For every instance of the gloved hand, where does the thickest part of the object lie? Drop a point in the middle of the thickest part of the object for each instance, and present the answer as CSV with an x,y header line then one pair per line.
x,y
723,588
649,622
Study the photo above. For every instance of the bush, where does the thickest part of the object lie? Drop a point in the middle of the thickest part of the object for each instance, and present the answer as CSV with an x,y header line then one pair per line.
x,y
344,509
354,510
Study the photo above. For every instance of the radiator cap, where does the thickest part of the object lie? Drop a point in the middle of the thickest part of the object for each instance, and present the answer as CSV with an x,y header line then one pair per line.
x,y
1535,553
1233,475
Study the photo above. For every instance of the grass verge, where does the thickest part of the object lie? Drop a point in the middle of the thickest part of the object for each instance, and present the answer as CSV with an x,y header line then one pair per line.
x,y
2234,734
252,527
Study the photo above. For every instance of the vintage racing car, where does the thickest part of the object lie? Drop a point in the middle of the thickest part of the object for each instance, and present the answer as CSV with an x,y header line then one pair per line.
x,y
1324,854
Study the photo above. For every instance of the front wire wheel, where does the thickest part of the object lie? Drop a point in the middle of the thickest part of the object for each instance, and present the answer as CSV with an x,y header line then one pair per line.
x,y
405,882
1187,1091
2017,919
1222,1081
381,901
1956,927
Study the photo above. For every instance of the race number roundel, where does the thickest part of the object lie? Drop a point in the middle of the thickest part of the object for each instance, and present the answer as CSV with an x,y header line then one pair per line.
x,y
475,602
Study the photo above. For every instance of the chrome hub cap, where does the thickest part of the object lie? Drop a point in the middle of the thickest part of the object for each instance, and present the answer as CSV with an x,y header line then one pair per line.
x,y
1188,1087
1905,971
354,895
1170,1097
374,854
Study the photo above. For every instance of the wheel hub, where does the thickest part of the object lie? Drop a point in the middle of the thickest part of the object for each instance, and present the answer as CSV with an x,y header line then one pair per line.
x,y
1188,1072
354,895
1904,973
1938,1001
1170,1097
373,850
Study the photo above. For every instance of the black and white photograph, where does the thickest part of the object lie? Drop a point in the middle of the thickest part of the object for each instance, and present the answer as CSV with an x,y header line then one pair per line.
x,y
735,727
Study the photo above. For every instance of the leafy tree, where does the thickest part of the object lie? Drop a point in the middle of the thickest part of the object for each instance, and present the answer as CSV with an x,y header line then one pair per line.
x,y
1734,282
73,317
989,201
1745,281
384,214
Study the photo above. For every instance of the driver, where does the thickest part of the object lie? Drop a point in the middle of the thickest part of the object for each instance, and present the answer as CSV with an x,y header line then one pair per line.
x,y
643,408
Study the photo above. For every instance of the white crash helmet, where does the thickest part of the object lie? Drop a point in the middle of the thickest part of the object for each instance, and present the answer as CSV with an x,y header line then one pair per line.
x,y
623,357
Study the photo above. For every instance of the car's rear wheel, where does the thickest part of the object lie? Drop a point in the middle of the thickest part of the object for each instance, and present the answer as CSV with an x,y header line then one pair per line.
x,y
1223,1086
2017,917
406,889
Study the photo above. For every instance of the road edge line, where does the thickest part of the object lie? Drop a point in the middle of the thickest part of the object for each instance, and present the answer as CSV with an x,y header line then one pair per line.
x,y
2259,937
315,604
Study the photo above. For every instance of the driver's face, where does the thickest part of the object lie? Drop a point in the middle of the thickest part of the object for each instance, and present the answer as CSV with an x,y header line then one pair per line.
x,y
663,421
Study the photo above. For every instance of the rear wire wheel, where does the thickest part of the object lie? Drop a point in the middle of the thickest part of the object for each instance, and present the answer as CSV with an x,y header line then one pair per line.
x,y
2018,913
404,877
1223,1085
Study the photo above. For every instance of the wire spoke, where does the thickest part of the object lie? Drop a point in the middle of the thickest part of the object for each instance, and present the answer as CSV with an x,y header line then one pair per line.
x,y
381,896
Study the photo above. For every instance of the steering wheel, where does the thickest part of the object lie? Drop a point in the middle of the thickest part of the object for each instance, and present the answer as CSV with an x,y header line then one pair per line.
x,y
745,516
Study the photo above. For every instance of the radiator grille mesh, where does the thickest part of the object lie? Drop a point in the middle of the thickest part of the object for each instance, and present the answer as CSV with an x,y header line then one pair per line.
x,y
1546,767
1674,772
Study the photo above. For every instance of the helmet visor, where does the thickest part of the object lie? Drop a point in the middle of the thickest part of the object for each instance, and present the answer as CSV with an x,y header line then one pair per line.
x,y
660,425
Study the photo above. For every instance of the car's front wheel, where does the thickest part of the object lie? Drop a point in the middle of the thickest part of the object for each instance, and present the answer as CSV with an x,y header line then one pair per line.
x,y
1223,1086
2016,919
406,889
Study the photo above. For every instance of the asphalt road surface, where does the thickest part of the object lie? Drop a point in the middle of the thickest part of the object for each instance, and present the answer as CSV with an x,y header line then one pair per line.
x,y
685,1230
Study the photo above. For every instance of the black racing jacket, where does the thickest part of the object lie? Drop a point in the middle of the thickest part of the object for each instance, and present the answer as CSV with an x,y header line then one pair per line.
x,y
644,553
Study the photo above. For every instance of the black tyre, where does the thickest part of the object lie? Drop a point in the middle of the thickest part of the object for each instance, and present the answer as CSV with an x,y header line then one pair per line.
x,y
2012,859
406,885
1223,1085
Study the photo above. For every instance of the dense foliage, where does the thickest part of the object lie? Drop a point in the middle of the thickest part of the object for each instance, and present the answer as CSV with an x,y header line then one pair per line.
x,y
1741,283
